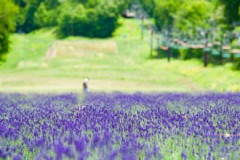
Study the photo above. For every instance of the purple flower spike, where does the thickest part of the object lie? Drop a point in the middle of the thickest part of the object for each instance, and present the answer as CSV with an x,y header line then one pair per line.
x,y
17,157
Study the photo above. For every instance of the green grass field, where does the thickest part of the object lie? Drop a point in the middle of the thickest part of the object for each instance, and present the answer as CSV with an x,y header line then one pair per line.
x,y
38,62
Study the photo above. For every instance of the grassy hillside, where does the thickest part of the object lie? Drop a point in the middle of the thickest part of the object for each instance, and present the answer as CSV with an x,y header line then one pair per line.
x,y
38,62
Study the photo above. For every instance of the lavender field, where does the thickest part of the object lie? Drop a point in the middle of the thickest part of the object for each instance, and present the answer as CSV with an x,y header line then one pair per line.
x,y
120,126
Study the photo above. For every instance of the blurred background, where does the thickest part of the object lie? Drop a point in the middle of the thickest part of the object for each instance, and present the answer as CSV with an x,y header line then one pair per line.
x,y
120,45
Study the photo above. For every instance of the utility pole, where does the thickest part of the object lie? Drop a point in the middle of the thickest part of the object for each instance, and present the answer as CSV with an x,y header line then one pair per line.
x,y
221,48
142,27
169,53
151,43
205,57
158,46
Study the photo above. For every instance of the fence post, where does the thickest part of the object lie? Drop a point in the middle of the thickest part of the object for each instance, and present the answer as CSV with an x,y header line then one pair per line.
x,y
205,57
151,43
142,27
158,46
169,53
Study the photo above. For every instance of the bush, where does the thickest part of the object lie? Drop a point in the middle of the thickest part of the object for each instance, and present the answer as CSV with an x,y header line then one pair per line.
x,y
187,53
92,18
183,53
100,21
175,52
164,11
7,24
4,45
236,63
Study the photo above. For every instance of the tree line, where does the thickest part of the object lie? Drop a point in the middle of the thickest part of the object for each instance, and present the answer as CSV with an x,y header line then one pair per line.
x,y
91,18
99,18
187,14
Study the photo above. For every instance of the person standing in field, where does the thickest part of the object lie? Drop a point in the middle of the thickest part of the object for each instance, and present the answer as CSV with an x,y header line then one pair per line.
x,y
85,85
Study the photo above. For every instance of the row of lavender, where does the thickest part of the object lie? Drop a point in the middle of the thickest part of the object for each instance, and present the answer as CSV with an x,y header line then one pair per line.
x,y
120,126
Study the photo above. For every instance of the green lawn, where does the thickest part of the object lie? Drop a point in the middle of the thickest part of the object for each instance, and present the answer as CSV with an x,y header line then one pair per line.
x,y
120,63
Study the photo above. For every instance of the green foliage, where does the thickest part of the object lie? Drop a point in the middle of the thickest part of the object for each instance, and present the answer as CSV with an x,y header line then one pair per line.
x,y
236,64
93,18
231,10
193,14
99,21
148,5
183,14
35,14
69,19
41,16
187,14
25,20
184,53
7,24
164,12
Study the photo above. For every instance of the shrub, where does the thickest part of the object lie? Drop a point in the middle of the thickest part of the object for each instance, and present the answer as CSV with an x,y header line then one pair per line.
x,y
100,21
7,24
190,53
236,63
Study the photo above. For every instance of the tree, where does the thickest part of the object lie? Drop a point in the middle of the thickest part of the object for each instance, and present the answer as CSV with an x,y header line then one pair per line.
x,y
35,14
193,14
72,17
149,6
164,12
99,20
26,17
8,11
231,10
41,16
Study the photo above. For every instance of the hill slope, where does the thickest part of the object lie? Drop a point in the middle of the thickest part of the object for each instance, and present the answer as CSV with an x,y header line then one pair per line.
x,y
38,62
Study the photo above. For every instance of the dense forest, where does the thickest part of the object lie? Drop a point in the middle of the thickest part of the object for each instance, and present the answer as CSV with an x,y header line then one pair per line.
x,y
188,14
99,18
92,18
